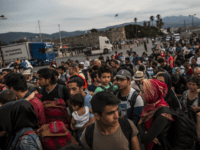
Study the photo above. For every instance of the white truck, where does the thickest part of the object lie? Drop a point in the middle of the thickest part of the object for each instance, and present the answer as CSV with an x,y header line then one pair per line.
x,y
104,47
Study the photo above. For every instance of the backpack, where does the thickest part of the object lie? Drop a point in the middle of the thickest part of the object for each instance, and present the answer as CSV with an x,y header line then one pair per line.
x,y
182,133
84,71
110,89
55,135
56,111
124,124
20,139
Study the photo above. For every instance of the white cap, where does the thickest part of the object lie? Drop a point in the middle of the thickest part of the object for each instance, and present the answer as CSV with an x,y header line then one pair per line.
x,y
81,63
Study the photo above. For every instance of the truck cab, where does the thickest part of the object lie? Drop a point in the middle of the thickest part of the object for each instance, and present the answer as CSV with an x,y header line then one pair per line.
x,y
104,46
42,53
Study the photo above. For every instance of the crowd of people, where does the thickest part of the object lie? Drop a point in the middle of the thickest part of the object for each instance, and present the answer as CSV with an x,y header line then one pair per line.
x,y
131,103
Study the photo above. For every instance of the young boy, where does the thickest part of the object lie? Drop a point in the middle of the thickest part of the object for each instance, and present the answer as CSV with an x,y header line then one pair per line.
x,y
105,74
7,96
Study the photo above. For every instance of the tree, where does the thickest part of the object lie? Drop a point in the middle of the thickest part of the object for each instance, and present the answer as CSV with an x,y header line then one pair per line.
x,y
152,19
158,16
135,20
94,30
145,24
149,24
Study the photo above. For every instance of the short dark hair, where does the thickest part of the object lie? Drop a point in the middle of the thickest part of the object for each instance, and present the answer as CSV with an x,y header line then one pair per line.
x,y
127,58
17,81
196,51
116,62
7,70
47,74
67,63
194,58
102,99
178,63
194,79
104,69
62,62
161,60
78,80
95,68
94,75
141,68
154,63
134,53
175,77
7,96
77,99
55,73
74,66
62,68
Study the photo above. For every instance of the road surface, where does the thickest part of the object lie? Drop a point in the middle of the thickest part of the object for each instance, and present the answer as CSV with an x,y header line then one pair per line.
x,y
81,58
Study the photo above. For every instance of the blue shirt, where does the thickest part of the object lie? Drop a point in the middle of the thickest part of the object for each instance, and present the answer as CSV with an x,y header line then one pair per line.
x,y
87,99
30,141
135,59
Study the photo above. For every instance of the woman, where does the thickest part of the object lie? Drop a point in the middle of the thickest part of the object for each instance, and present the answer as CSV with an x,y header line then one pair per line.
x,y
190,98
170,97
151,128
18,120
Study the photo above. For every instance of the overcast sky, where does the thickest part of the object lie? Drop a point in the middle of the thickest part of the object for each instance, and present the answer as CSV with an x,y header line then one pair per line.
x,y
23,15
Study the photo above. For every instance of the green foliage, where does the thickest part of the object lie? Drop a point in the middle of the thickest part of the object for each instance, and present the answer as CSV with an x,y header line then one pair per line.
x,y
94,30
144,31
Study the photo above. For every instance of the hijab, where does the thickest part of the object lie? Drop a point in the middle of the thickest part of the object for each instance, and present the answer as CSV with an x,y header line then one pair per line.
x,y
170,97
154,92
14,116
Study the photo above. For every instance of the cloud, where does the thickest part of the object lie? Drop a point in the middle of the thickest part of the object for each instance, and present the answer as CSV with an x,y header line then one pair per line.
x,y
23,15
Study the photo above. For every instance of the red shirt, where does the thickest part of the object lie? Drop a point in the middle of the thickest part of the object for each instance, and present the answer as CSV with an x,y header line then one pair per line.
x,y
171,59
116,56
190,71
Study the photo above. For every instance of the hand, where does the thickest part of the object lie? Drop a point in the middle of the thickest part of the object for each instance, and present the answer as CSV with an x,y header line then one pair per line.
x,y
195,109
140,121
172,88
91,93
156,141
72,127
31,96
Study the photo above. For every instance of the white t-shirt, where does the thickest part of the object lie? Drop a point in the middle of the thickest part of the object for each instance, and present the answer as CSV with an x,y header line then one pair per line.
x,y
87,64
81,120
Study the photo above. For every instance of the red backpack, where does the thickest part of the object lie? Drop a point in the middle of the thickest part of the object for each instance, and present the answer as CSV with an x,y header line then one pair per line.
x,y
55,135
56,111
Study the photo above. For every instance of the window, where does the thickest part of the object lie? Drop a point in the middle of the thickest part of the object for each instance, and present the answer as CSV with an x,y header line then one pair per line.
x,y
107,42
41,50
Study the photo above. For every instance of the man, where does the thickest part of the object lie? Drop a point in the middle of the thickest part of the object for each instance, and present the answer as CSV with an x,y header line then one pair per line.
x,y
27,74
96,82
6,71
97,62
197,55
135,58
67,68
145,46
137,81
77,62
108,129
76,85
91,63
194,63
178,84
62,74
139,63
197,72
87,62
53,67
58,81
179,57
74,70
155,67
122,58
156,55
128,64
53,62
178,66
63,63
116,55
95,68
50,89
125,94
188,70
146,74
17,83
115,65
164,65
81,66
101,57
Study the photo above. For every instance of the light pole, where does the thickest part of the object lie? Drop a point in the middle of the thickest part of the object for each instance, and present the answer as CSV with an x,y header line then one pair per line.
x,y
192,19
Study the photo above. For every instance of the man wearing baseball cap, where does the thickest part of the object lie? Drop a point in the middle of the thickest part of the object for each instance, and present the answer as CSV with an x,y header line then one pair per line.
x,y
131,104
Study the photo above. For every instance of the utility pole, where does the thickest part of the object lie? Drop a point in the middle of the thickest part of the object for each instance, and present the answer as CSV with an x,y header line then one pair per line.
x,y
40,30
60,35
192,19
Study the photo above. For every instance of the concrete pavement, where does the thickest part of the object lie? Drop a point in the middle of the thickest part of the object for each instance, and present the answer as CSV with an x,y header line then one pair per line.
x,y
81,58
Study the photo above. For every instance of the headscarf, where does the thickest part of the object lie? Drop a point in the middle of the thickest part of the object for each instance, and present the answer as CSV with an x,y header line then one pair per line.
x,y
170,97
15,116
154,92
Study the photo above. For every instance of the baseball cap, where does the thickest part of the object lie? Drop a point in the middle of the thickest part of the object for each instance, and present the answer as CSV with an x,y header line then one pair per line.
x,y
123,73
81,63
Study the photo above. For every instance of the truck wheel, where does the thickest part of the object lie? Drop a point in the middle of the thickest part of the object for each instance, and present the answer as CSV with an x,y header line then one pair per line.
x,y
40,63
105,51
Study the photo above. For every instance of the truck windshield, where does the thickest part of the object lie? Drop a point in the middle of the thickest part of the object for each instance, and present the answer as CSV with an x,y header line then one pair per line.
x,y
49,49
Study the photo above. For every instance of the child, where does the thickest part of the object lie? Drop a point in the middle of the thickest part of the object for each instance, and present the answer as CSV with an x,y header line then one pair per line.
x,y
7,96
105,74
81,113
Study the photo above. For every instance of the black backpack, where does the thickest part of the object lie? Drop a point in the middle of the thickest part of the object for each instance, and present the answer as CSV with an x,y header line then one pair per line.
x,y
182,133
110,89
124,124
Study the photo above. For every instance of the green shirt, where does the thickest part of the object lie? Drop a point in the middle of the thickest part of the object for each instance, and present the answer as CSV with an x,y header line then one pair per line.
x,y
99,89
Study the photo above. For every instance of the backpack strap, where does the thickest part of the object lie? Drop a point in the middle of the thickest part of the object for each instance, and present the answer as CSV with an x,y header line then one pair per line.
x,y
164,110
60,91
110,88
89,133
133,101
126,129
